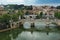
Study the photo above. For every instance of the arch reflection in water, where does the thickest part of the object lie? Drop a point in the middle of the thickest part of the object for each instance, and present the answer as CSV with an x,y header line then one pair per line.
x,y
38,25
27,25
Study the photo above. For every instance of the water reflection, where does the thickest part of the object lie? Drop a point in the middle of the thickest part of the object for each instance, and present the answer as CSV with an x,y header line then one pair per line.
x,y
26,35
38,25
31,32
27,25
47,33
10,35
18,34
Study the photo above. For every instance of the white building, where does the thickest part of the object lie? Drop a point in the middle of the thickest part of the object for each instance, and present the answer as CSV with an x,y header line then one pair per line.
x,y
30,16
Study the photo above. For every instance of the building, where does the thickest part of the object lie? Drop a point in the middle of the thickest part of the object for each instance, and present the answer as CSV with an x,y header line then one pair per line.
x,y
30,16
3,11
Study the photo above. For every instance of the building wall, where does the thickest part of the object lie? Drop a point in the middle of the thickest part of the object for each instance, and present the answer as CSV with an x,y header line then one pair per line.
x,y
3,11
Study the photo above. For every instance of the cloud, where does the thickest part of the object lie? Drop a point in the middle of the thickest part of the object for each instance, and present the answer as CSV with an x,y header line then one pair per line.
x,y
12,1
31,2
18,2
26,2
22,1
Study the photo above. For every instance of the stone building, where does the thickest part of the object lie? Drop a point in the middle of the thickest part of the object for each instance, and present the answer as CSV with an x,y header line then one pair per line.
x,y
3,11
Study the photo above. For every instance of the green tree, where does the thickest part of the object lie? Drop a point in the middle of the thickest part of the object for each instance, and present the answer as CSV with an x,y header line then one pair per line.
x,y
20,12
58,7
1,19
41,13
14,17
57,15
5,18
27,13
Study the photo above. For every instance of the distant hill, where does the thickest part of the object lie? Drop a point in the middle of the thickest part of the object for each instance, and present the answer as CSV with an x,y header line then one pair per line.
x,y
58,7
14,6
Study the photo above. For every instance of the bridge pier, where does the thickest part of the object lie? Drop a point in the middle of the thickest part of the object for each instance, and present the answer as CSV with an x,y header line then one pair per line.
x,y
47,24
32,25
20,25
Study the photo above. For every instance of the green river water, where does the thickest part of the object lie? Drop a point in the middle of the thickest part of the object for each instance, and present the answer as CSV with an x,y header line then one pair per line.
x,y
17,34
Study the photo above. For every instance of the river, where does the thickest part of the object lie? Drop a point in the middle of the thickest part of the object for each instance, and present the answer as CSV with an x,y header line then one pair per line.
x,y
18,34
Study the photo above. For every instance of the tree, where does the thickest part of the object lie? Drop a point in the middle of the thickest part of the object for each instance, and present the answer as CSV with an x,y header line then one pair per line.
x,y
58,7
4,21
14,6
20,12
5,18
14,17
27,13
1,19
57,15
41,13
28,7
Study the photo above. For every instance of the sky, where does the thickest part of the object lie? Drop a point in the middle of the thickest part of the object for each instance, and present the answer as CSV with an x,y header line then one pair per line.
x,y
31,2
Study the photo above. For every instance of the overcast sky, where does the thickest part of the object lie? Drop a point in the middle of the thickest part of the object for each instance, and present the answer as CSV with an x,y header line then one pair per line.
x,y
31,2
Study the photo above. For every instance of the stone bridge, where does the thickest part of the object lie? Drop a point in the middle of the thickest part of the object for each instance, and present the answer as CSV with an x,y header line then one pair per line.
x,y
40,20
22,21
